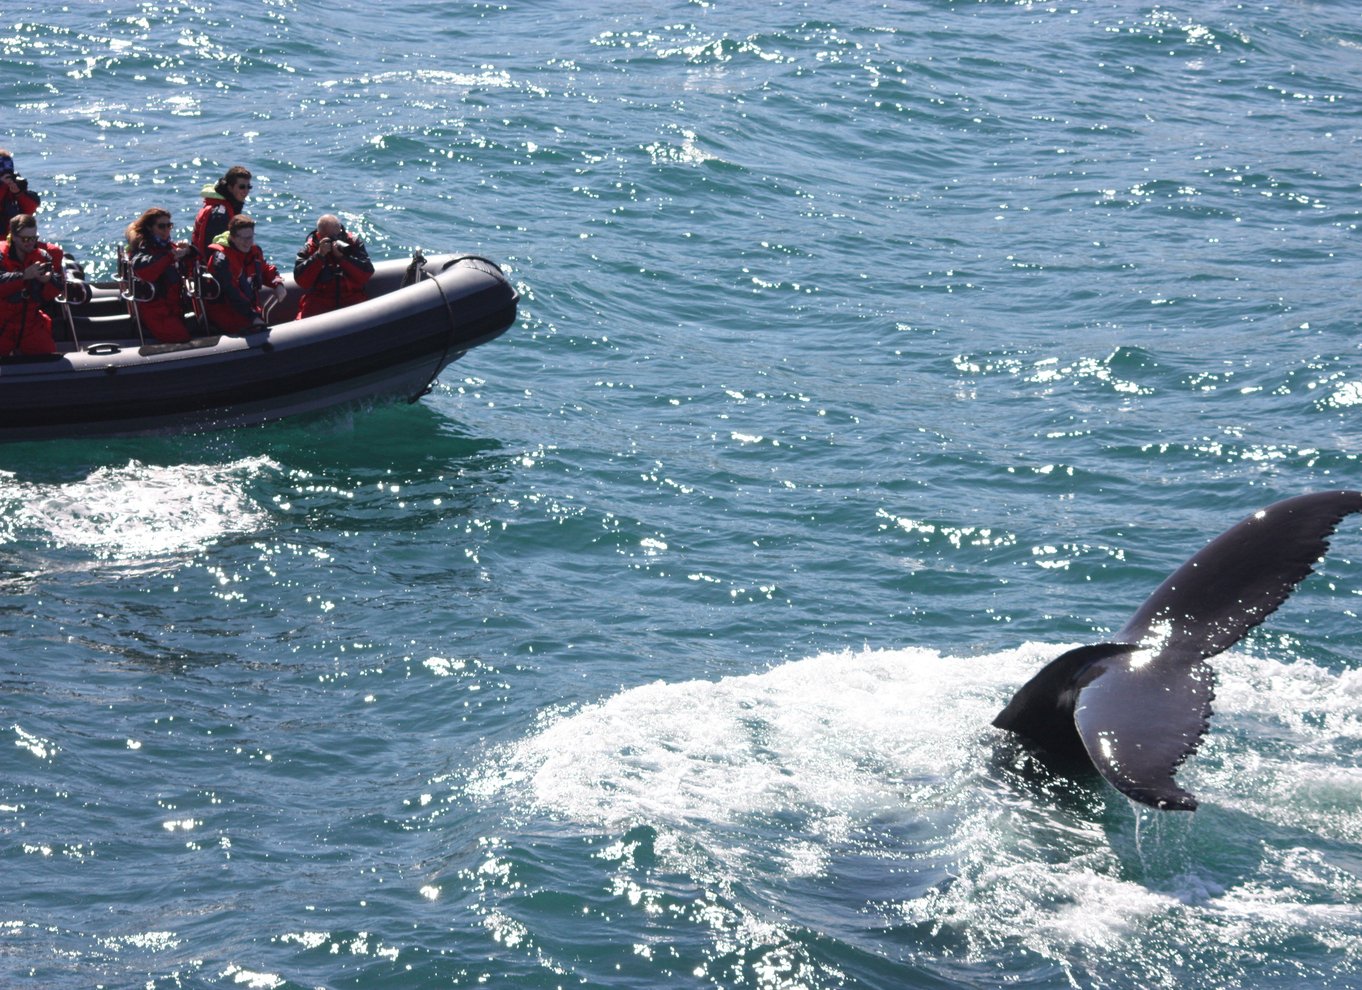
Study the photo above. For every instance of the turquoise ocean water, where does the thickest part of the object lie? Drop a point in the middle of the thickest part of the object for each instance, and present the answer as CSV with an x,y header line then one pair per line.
x,y
869,355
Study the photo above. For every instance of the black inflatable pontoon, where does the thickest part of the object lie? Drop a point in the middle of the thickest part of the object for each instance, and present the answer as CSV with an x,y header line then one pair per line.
x,y
421,316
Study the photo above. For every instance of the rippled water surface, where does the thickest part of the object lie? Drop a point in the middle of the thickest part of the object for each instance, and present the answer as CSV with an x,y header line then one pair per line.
x,y
869,355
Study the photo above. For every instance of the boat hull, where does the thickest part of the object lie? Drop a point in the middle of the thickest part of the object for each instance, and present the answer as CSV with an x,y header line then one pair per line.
x,y
391,347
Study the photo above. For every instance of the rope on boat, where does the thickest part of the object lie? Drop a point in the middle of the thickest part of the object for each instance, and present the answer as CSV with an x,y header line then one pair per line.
x,y
418,263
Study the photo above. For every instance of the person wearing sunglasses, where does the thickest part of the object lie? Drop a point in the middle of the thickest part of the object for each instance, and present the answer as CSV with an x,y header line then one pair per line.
x,y
14,195
30,275
243,277
162,265
222,201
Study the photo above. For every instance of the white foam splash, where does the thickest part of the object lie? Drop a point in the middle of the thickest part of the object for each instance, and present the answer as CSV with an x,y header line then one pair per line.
x,y
825,734
141,511
851,733
888,756
1293,769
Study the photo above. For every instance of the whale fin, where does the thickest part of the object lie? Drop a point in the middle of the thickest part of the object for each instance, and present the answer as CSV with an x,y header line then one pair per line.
x,y
1239,578
1139,721
1140,706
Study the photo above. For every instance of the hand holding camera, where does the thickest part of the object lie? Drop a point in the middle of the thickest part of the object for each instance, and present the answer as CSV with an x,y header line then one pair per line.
x,y
337,244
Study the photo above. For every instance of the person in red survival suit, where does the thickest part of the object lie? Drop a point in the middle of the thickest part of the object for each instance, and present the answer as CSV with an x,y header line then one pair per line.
x,y
331,269
242,274
14,195
221,202
30,274
161,264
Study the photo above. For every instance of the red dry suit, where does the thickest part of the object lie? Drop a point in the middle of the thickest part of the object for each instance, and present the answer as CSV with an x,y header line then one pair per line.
x,y
240,277
14,203
334,280
23,324
162,316
213,219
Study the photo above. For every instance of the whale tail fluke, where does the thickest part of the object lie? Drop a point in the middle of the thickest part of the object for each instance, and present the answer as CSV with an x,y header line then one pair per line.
x,y
1241,577
1138,707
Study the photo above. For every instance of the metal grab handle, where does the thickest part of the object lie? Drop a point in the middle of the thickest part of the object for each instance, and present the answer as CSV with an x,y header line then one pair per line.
x,y
128,281
203,286
268,306
198,287
83,291
127,291
65,305
130,294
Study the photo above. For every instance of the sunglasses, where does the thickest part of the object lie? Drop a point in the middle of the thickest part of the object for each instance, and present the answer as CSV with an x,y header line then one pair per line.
x,y
26,238
164,225
243,185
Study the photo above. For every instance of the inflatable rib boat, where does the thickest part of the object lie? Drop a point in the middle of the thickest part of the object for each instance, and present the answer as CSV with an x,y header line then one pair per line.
x,y
106,381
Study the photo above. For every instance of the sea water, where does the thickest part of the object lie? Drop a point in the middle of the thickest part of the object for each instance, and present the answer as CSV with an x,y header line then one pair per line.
x,y
869,355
